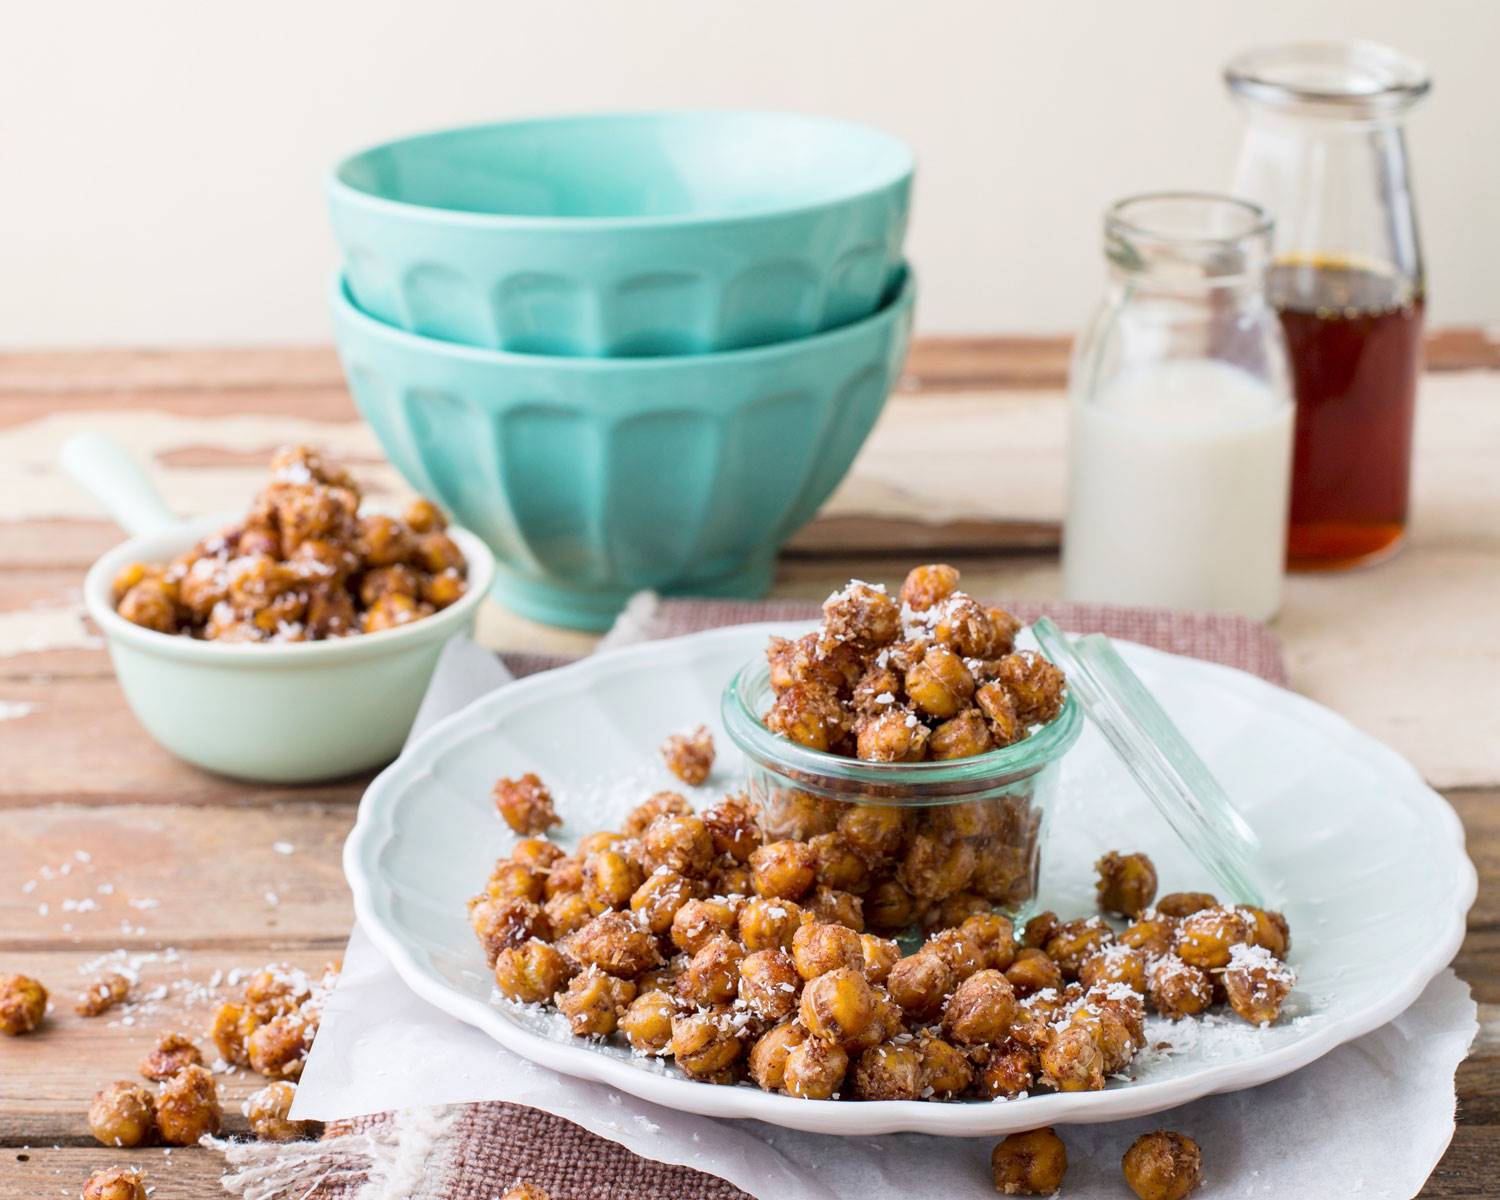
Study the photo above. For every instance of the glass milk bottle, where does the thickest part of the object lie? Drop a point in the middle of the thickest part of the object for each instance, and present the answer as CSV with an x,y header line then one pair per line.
x,y
1181,415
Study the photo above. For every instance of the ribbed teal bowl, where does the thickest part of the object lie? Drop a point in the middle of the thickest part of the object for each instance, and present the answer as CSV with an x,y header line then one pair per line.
x,y
591,479
626,234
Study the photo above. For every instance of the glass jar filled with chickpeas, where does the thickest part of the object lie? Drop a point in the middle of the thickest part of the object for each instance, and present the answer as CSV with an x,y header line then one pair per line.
x,y
909,739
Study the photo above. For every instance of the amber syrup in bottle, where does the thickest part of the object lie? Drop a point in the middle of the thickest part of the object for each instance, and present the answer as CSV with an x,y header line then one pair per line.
x,y
1354,338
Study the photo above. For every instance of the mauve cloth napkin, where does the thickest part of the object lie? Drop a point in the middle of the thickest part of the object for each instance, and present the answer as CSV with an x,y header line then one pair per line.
x,y
477,1151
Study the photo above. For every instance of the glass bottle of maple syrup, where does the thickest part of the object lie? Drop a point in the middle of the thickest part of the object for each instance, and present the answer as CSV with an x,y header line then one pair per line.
x,y
1324,151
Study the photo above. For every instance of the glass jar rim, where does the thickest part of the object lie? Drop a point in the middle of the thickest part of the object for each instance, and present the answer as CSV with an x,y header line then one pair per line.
x,y
1349,79
1130,217
945,776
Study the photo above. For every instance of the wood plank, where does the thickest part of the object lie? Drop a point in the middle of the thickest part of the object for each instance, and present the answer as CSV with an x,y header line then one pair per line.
x,y
95,879
44,1171
66,1061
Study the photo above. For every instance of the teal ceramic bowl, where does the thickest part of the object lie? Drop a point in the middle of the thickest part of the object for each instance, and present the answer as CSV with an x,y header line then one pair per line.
x,y
633,234
592,479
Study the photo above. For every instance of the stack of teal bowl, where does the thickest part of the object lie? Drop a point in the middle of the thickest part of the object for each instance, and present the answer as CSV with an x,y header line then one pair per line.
x,y
629,351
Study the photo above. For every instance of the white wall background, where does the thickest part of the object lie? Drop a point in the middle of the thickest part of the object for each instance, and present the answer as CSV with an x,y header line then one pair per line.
x,y
160,160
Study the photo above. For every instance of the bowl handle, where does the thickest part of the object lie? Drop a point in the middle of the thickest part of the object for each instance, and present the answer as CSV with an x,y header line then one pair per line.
x,y
103,468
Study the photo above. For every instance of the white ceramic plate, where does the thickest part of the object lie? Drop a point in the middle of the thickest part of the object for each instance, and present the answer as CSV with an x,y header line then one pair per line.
x,y
1370,864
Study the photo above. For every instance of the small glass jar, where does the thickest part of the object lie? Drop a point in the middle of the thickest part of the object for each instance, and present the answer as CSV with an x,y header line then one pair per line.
x,y
1181,416
1324,151
940,838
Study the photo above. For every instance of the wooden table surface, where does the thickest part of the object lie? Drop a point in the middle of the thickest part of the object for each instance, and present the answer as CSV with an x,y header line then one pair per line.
x,y
111,849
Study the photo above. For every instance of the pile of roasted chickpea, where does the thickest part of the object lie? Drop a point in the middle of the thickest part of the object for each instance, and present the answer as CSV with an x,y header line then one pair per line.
x,y
695,938
302,566
932,674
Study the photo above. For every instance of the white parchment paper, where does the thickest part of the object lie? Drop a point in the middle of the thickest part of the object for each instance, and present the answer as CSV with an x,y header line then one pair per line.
x,y
1370,1120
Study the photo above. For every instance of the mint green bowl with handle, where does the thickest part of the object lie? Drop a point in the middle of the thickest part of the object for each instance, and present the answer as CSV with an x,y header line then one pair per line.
x,y
625,234
592,479
271,713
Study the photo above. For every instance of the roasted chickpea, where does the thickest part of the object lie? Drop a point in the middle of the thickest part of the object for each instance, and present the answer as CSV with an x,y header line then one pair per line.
x,y
820,947
838,865
526,804
1032,971
699,920
600,839
614,943
769,1054
187,1107
876,690
784,870
838,1006
888,1022
1115,964
647,1023
888,907
995,936
935,868
536,854
919,982
512,881
102,995
792,814
122,1114
437,552
880,955
875,831
531,973
940,685
392,611
1183,904
565,875
861,615
802,661
1162,1165
1269,930
389,581
1006,874
980,1010
1257,983
1008,1069
928,585
1113,1034
173,1052
277,1049
423,516
809,715
1127,883
1029,1164
1153,935
705,1044
1176,989
680,844
526,1190
712,975
962,736
1072,1061
593,1002
945,1071
964,625
23,1004
656,902
231,1024
769,924
769,984
1075,942
963,954
999,709
116,1183
567,912
610,879
267,1111
690,755
501,923
889,1071
1039,929
836,908
659,804
1034,684
894,734
955,910
732,825
729,877
814,1069
150,605
1206,937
